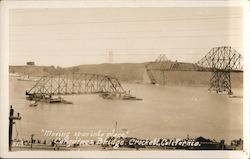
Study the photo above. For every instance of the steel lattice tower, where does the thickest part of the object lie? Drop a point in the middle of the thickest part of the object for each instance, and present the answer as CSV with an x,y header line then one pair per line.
x,y
162,63
221,61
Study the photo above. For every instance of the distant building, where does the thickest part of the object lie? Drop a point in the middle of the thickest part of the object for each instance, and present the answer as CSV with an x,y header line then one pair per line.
x,y
30,63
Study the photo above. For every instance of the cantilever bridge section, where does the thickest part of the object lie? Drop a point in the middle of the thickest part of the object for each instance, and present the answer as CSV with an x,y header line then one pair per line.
x,y
77,83
220,61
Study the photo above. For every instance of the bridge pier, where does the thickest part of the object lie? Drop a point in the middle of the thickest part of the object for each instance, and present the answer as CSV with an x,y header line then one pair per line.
x,y
219,60
220,82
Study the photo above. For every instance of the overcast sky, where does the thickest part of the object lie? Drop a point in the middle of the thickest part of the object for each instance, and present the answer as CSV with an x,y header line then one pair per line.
x,y
69,37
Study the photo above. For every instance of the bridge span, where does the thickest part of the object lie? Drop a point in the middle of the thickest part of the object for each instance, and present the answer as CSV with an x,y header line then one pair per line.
x,y
77,83
220,61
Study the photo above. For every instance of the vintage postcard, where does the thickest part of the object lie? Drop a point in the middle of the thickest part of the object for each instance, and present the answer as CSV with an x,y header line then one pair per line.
x,y
122,79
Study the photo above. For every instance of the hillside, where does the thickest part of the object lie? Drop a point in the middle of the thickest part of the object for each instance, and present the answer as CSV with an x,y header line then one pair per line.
x,y
29,70
124,72
130,72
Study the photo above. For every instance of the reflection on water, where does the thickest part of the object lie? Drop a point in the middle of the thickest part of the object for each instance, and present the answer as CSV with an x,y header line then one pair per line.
x,y
166,111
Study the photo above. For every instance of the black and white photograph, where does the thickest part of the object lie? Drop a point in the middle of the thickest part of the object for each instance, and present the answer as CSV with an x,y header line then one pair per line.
x,y
122,79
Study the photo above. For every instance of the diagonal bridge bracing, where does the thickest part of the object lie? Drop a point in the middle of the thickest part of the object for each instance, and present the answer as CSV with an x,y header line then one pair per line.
x,y
219,60
82,83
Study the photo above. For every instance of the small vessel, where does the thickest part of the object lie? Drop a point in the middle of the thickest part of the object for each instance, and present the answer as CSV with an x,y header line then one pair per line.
x,y
118,96
235,96
130,97
107,95
66,102
34,104
55,100
59,100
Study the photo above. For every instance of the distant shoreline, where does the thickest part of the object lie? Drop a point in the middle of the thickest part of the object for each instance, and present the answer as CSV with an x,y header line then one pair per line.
x,y
128,73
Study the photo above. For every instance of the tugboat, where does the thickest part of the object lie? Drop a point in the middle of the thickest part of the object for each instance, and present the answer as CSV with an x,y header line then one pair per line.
x,y
122,96
59,100
130,97
34,104
55,100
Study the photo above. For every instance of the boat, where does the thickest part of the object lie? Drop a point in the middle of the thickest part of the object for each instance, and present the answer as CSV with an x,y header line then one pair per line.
x,y
130,97
59,100
66,102
34,104
118,96
235,96
107,95
55,100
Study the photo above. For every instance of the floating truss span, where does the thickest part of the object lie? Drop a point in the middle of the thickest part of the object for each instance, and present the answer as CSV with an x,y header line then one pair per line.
x,y
82,83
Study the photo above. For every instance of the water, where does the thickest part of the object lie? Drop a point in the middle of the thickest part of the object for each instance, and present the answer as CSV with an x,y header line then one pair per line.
x,y
166,111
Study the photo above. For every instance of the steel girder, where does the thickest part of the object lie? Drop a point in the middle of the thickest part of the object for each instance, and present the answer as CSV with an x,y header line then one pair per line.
x,y
81,83
221,61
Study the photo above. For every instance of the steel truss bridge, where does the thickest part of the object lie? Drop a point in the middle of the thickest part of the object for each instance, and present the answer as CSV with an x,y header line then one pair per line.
x,y
219,60
77,83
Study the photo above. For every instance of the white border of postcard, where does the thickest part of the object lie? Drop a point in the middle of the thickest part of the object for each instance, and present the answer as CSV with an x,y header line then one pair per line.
x,y
4,65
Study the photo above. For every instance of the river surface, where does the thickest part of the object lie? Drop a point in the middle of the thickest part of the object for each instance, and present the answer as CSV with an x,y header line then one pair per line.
x,y
164,112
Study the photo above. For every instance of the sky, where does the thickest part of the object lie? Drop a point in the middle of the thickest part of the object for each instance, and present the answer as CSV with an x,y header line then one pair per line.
x,y
69,37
